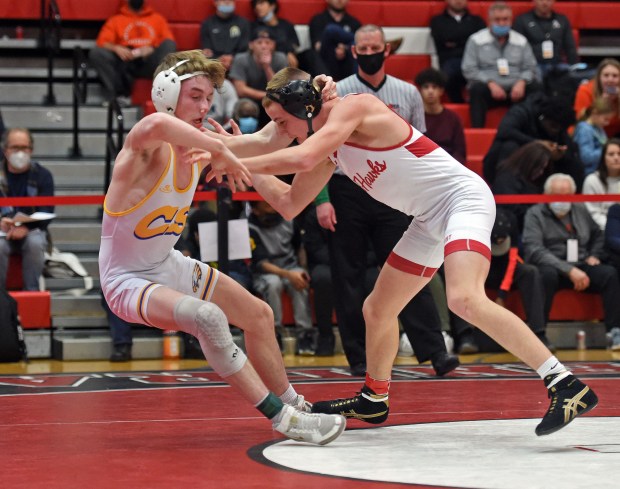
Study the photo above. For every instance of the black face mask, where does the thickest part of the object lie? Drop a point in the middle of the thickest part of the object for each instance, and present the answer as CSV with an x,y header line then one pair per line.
x,y
136,5
270,220
370,63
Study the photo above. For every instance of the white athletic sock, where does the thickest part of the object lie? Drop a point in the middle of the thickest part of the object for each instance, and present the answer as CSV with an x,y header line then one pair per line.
x,y
289,396
552,366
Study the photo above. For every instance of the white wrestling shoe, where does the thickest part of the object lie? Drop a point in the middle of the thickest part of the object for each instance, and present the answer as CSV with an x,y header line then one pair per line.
x,y
319,429
301,404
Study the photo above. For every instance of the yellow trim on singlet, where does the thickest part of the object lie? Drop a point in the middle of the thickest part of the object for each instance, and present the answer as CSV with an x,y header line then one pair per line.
x,y
209,282
140,306
174,178
152,191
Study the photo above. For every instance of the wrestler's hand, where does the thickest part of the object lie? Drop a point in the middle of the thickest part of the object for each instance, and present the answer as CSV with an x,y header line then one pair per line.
x,y
218,128
326,215
225,163
328,87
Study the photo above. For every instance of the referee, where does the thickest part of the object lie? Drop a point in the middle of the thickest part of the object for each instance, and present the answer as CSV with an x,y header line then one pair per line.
x,y
358,222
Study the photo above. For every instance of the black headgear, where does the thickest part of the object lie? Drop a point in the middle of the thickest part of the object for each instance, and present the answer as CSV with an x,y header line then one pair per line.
x,y
299,98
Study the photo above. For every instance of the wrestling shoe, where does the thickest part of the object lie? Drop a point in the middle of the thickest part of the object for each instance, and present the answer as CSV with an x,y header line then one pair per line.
x,y
569,398
366,406
301,404
319,429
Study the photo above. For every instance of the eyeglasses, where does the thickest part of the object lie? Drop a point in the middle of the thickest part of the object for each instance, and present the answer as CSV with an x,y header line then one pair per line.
x,y
19,148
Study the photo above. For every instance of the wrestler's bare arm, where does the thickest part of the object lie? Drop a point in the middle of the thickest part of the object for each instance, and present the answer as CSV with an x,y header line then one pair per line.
x,y
343,120
290,200
264,141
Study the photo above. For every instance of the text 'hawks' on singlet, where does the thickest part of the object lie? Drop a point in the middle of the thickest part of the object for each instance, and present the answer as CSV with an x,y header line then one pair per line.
x,y
141,238
415,177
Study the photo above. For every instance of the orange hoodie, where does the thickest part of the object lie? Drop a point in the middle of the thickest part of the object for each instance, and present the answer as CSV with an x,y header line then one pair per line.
x,y
135,29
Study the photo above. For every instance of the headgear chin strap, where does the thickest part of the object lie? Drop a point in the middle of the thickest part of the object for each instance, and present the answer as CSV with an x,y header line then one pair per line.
x,y
299,98
167,86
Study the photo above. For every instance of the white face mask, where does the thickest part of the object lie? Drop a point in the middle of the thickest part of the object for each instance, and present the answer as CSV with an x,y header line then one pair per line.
x,y
560,209
19,160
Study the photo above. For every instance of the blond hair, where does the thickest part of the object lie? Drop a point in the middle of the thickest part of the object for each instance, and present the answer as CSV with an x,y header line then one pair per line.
x,y
213,69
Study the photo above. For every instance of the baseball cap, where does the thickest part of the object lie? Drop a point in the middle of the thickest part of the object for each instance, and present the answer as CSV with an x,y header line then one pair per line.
x,y
500,235
262,33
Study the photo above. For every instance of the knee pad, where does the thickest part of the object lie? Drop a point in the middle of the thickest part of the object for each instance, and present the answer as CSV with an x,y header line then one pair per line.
x,y
208,323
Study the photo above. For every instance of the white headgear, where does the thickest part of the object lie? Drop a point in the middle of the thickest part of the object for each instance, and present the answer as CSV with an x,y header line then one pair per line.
x,y
167,86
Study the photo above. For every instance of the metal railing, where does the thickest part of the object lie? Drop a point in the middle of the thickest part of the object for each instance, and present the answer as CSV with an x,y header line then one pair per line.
x,y
50,40
112,145
80,84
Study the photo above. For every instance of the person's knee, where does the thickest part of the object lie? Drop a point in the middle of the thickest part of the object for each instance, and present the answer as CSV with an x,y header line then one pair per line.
x,y
35,243
209,324
372,311
464,303
477,89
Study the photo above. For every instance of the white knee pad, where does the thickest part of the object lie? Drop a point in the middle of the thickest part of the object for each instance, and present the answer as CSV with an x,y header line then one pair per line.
x,y
208,323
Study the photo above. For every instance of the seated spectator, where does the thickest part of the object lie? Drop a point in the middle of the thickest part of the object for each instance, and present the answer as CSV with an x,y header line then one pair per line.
x,y
541,118
450,31
331,34
22,177
566,245
605,180
245,115
277,266
523,172
283,31
589,134
443,125
498,64
223,105
252,69
131,44
605,84
550,35
612,246
224,34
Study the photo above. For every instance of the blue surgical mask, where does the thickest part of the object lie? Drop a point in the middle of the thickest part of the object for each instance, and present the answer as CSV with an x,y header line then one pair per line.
x,y
560,209
500,30
248,125
226,9
268,17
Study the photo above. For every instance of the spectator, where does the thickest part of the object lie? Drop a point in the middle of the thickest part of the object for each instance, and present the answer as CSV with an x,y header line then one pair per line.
x,y
450,31
605,180
277,266
224,34
246,114
541,118
331,34
252,69
130,45
550,35
224,101
283,31
589,134
443,125
22,177
566,245
612,242
498,64
605,84
523,172
364,222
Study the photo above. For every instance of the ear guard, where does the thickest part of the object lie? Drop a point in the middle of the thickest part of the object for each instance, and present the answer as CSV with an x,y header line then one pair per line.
x,y
300,99
167,86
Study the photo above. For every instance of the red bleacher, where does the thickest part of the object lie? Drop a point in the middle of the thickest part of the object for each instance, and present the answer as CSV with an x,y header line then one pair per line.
x,y
33,307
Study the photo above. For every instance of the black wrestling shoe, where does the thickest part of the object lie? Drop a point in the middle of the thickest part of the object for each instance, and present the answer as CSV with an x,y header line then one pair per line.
x,y
569,398
366,406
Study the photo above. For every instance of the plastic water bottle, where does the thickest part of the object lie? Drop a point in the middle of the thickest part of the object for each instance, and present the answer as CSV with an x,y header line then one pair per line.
x,y
581,340
171,345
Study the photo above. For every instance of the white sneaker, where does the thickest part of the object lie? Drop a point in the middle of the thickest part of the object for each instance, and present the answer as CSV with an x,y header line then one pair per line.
x,y
319,429
301,404
404,346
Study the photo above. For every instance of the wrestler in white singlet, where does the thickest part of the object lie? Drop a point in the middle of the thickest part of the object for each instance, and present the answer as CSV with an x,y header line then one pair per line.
x,y
137,252
453,207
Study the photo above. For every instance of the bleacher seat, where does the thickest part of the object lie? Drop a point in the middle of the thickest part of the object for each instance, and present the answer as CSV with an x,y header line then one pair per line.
x,y
478,142
406,66
14,278
34,308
